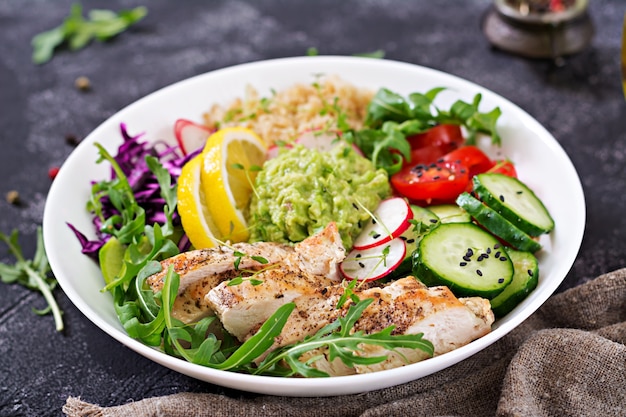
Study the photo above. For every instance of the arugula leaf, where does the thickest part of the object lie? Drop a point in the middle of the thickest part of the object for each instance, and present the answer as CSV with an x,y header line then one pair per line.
x,y
33,274
77,32
391,118
337,338
261,341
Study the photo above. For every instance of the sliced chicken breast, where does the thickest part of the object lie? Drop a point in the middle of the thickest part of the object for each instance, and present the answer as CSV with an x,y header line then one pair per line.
x,y
407,304
202,270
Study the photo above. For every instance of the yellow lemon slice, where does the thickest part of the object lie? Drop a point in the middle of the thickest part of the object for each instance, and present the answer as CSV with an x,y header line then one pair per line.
x,y
194,215
228,171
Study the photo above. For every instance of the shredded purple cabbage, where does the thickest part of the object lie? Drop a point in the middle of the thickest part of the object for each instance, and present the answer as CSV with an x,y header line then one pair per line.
x,y
131,158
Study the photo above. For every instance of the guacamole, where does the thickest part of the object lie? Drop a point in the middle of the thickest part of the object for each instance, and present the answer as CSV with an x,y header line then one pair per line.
x,y
301,190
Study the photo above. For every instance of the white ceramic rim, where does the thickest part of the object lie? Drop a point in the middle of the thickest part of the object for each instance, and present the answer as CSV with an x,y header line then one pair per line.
x,y
526,142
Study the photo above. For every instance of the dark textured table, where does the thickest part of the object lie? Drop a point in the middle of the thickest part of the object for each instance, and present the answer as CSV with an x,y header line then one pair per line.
x,y
580,103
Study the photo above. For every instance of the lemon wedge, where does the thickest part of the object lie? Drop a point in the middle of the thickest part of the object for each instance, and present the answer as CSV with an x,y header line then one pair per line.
x,y
228,171
194,215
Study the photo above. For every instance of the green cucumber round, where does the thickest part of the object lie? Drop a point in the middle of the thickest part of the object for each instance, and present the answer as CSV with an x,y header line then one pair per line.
x,y
514,201
450,213
496,224
462,257
525,279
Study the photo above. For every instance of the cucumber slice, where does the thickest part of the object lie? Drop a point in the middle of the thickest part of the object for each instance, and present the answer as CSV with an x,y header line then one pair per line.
x,y
514,201
451,213
423,222
525,279
462,257
497,224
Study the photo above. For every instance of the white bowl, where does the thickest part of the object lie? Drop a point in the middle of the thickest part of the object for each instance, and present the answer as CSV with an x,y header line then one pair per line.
x,y
539,159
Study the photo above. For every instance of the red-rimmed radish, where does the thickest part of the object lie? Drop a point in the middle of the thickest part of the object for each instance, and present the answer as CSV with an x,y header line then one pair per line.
x,y
391,219
374,263
322,140
190,136
274,150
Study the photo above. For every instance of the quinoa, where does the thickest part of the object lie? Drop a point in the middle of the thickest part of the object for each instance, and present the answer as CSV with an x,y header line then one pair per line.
x,y
328,103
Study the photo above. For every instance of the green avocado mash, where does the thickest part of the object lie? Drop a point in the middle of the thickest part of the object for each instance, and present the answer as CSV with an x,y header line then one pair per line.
x,y
301,190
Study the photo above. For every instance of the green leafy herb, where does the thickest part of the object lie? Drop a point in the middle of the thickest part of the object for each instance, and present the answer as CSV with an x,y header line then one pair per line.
x,y
391,118
339,340
76,31
377,54
33,274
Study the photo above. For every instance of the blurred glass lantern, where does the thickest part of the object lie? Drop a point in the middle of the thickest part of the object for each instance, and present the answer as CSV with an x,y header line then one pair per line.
x,y
539,28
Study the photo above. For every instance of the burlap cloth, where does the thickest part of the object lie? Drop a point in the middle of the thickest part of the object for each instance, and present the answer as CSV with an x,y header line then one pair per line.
x,y
567,359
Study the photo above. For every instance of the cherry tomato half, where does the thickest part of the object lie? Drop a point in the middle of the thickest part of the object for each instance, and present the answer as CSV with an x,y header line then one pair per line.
x,y
473,158
505,167
439,135
429,154
440,181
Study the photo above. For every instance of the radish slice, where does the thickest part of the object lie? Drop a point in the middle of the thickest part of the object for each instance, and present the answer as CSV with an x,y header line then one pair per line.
x,y
190,136
272,151
323,141
373,263
391,219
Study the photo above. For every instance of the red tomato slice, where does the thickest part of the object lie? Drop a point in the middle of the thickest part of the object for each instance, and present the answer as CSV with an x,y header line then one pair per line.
x,y
473,158
505,167
429,154
441,181
438,136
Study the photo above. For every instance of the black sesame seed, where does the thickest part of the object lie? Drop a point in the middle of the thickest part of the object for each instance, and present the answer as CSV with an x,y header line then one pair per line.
x,y
466,258
409,241
463,263
433,220
436,177
373,221
404,238
500,280
376,236
530,272
355,206
497,254
479,272
358,255
463,171
496,246
502,258
361,264
470,252
519,192
488,250
501,197
440,160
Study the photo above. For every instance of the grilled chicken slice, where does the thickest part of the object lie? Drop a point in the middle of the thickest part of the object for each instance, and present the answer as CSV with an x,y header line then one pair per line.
x,y
201,270
407,304
446,321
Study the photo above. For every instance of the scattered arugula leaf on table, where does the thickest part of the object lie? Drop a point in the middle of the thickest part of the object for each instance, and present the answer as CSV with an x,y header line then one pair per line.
x,y
76,31
33,274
